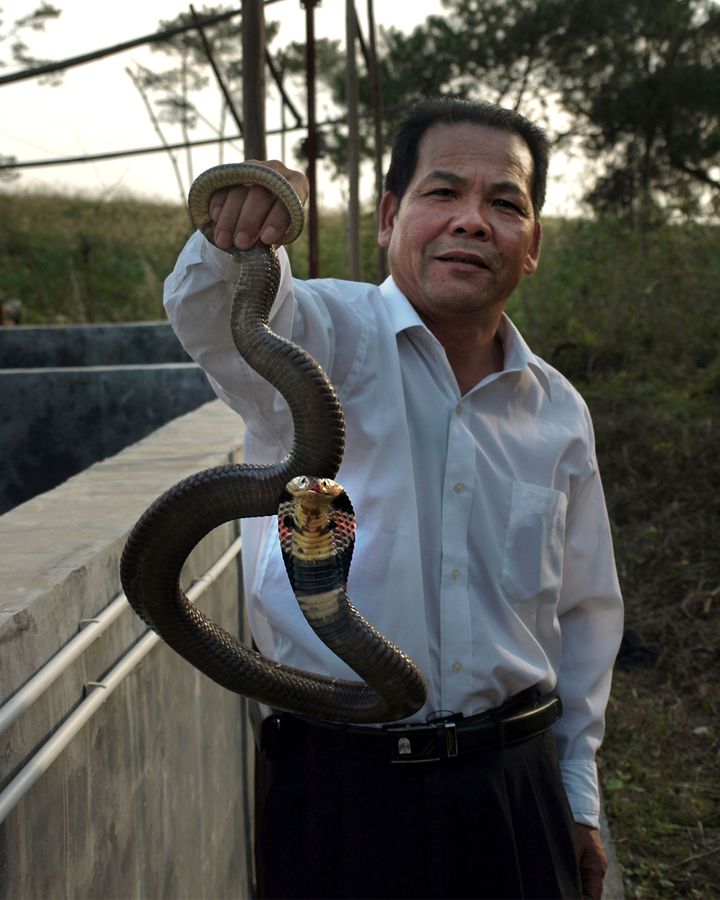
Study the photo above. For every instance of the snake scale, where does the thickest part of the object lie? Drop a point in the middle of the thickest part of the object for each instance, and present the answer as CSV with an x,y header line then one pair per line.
x,y
316,522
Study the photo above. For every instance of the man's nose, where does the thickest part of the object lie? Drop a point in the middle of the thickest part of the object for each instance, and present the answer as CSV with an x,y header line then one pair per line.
x,y
472,219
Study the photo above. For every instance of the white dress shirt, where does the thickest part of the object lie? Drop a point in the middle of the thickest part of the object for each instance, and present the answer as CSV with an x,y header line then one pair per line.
x,y
483,546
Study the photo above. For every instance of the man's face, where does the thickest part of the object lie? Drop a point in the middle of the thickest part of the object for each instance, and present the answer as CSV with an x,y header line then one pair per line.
x,y
465,232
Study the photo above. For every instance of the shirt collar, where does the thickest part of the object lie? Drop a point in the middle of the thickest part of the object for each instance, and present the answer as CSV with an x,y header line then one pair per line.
x,y
518,356
402,313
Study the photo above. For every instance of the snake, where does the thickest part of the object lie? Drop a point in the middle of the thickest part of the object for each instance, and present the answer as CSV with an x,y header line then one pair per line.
x,y
316,521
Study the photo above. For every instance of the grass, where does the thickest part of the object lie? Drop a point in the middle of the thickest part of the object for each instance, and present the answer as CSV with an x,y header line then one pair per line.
x,y
73,260
658,772
634,322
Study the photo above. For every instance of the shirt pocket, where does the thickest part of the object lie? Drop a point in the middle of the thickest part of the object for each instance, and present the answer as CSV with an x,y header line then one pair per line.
x,y
534,544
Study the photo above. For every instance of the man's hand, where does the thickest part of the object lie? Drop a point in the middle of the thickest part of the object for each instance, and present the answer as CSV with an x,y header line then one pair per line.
x,y
244,215
592,861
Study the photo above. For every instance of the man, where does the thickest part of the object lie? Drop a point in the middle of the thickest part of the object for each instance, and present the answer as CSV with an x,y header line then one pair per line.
x,y
483,546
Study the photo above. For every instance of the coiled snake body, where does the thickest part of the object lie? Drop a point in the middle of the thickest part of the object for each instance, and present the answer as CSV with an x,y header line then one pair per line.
x,y
315,519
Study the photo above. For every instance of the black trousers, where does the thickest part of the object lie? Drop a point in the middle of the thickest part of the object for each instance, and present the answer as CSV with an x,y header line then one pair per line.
x,y
494,824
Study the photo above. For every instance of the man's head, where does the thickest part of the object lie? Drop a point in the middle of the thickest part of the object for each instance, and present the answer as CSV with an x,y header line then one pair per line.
x,y
449,111
459,214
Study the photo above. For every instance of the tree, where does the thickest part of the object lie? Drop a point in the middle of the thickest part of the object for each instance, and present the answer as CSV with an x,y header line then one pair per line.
x,y
481,48
34,21
633,84
638,80
176,90
641,81
19,51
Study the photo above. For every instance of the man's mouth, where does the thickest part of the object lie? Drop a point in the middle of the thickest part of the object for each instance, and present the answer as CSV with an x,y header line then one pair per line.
x,y
459,256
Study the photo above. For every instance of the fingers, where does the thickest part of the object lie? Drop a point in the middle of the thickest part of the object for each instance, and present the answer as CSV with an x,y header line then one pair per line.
x,y
592,861
243,215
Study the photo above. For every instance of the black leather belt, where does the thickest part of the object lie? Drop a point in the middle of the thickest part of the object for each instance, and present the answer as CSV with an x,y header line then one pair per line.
x,y
444,738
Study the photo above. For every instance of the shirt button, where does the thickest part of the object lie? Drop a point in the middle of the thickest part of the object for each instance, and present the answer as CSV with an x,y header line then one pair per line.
x,y
455,575
456,666
459,487
458,409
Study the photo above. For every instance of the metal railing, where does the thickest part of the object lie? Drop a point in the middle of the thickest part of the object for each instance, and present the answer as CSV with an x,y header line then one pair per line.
x,y
97,691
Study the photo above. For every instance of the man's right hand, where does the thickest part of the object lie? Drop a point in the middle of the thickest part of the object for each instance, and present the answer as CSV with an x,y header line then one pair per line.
x,y
243,215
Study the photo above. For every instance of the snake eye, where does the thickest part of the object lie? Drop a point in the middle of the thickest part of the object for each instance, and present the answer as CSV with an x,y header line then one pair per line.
x,y
298,484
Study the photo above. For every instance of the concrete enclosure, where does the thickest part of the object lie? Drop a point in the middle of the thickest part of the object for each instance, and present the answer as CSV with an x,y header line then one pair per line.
x,y
152,796
74,395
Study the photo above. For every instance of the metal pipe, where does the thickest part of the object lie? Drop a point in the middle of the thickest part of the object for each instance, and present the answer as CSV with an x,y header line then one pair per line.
x,y
41,761
53,669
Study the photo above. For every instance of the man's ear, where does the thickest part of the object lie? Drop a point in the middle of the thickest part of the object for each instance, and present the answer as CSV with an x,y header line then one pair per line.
x,y
533,254
388,210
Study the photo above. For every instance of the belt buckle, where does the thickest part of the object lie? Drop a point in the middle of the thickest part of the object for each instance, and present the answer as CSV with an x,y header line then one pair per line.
x,y
451,741
410,744
421,744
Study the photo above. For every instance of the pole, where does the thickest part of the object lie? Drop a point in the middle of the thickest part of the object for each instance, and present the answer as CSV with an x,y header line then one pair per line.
x,y
353,141
207,49
376,88
313,256
253,56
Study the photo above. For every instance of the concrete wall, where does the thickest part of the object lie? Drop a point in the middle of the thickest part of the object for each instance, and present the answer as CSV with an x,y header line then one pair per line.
x,y
56,422
72,396
153,797
60,346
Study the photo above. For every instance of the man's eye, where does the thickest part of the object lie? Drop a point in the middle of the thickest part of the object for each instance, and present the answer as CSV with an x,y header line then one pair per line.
x,y
508,204
442,192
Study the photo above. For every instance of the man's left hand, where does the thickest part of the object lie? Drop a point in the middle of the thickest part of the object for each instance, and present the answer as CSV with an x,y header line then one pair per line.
x,y
592,861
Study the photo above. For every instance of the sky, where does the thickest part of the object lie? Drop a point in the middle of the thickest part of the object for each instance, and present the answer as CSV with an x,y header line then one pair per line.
x,y
97,109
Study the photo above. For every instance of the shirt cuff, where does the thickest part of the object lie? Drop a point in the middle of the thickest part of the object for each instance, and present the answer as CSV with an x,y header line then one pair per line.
x,y
580,779
222,264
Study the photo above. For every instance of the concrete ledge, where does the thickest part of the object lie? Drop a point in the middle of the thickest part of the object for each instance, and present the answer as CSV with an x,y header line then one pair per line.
x,y
68,532
135,343
153,797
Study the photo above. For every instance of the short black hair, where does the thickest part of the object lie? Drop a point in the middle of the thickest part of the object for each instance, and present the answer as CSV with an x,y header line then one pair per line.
x,y
452,111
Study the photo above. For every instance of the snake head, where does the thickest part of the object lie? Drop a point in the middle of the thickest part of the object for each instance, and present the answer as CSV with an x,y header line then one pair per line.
x,y
311,491
316,523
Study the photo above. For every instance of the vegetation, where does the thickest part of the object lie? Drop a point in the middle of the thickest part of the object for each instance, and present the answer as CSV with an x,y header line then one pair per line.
x,y
14,48
16,32
633,321
74,260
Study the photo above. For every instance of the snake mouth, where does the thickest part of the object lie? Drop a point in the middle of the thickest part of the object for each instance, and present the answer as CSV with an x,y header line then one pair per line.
x,y
312,488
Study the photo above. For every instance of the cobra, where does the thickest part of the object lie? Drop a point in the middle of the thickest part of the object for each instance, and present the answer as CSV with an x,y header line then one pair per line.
x,y
316,521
